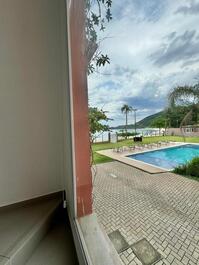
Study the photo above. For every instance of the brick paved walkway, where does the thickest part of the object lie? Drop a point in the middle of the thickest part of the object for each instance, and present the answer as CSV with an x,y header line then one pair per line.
x,y
163,208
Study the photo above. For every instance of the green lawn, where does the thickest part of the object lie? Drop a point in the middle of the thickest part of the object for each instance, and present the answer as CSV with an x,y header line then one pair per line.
x,y
102,146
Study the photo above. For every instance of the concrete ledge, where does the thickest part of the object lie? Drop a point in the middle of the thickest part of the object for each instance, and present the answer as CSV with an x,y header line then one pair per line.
x,y
42,198
23,228
99,246
4,261
24,249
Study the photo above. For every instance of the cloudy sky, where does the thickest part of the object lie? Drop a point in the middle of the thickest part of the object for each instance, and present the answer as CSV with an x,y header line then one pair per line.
x,y
153,46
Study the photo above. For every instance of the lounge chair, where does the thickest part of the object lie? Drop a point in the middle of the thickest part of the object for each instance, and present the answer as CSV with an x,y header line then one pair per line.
x,y
125,148
118,150
171,142
158,144
148,146
131,147
161,143
139,146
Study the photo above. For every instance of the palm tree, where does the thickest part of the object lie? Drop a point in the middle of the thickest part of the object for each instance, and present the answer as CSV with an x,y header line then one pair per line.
x,y
126,109
187,96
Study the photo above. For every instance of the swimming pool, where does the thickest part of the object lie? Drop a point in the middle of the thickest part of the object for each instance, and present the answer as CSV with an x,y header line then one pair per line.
x,y
168,158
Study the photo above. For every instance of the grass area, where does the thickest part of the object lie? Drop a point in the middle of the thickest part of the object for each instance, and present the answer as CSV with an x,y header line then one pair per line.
x,y
146,140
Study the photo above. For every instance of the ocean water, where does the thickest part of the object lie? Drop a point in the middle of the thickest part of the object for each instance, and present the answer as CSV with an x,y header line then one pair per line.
x,y
103,137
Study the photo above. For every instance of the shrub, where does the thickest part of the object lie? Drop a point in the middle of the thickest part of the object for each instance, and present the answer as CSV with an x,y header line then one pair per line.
x,y
189,169
180,170
193,167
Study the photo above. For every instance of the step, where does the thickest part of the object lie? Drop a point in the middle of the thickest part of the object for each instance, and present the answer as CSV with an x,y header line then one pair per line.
x,y
57,247
4,261
23,227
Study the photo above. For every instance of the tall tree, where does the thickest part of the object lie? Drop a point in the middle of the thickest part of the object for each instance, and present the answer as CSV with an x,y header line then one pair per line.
x,y
175,115
126,109
158,123
187,96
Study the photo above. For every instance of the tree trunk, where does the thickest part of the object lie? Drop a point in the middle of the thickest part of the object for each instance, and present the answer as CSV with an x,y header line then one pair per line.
x,y
184,122
126,123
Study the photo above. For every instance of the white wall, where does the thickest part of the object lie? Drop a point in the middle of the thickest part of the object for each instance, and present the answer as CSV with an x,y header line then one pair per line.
x,y
31,98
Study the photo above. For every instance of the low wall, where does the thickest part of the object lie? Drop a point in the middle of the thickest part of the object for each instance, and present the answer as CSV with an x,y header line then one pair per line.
x,y
178,132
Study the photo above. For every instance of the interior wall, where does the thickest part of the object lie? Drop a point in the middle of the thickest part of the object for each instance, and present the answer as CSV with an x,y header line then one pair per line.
x,y
31,98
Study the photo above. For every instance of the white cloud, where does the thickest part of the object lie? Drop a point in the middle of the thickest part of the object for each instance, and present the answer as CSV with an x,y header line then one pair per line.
x,y
135,34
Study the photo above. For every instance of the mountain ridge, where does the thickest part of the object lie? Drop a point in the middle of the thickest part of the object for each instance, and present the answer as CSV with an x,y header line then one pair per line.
x,y
144,123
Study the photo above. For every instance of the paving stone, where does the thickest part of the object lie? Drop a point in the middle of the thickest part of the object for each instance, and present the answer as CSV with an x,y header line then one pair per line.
x,y
196,255
163,208
118,241
185,260
145,252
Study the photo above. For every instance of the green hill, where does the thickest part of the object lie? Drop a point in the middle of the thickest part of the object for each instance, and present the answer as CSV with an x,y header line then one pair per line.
x,y
146,122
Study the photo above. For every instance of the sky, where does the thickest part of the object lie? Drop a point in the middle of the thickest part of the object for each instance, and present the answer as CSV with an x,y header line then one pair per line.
x,y
153,46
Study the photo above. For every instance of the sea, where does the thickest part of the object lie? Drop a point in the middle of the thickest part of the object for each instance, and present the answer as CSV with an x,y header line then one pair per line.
x,y
103,136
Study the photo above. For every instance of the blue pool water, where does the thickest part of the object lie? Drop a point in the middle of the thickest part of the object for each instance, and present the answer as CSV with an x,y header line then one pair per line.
x,y
169,158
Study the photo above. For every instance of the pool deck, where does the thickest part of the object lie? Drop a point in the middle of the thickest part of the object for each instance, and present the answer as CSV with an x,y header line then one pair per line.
x,y
122,157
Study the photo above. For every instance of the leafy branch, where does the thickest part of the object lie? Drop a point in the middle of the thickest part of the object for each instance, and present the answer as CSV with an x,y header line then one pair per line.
x,y
98,14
